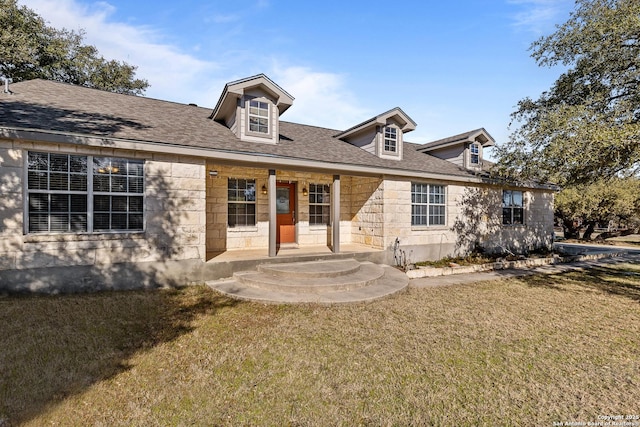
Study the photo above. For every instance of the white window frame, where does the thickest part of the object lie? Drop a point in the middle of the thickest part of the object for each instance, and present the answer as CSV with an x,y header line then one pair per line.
x,y
510,207
390,139
324,195
428,201
474,154
89,172
249,193
261,106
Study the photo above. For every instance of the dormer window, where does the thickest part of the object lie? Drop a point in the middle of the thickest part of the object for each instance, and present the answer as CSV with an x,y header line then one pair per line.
x,y
381,135
258,117
475,154
390,139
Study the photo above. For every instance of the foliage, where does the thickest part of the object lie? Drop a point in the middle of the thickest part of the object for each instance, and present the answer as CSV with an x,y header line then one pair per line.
x,y
605,200
30,49
587,126
471,259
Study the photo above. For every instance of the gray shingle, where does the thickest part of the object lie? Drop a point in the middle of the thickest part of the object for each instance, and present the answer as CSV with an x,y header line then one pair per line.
x,y
47,105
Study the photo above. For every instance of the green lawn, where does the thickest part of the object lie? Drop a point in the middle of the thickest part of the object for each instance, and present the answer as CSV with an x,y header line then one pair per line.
x,y
529,351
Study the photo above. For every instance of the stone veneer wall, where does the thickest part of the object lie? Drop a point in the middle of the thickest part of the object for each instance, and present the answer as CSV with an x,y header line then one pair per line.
x,y
221,238
174,215
367,211
474,216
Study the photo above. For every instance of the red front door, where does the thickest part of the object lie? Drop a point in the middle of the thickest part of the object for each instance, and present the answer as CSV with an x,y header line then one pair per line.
x,y
286,213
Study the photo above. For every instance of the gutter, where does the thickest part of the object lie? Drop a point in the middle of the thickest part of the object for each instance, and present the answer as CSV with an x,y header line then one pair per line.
x,y
232,157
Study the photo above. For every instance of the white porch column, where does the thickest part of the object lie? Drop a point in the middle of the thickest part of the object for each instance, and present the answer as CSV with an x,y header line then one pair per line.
x,y
335,215
273,221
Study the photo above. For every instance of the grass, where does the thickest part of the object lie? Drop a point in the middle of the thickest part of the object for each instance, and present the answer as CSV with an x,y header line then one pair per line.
x,y
529,351
468,260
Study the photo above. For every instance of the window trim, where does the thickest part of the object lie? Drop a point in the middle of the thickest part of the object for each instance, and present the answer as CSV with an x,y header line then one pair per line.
x,y
429,204
392,139
90,192
245,202
512,208
324,204
249,115
476,154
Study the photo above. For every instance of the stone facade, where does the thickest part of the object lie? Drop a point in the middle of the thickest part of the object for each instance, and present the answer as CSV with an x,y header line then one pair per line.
x,y
174,210
186,203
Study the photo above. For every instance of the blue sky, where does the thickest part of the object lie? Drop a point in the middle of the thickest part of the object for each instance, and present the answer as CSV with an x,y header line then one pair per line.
x,y
451,66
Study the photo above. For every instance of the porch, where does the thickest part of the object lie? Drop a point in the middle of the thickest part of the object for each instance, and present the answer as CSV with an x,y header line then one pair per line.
x,y
226,263
255,213
306,275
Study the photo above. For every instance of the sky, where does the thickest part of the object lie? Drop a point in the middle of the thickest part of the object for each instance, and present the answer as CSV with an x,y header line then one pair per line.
x,y
452,66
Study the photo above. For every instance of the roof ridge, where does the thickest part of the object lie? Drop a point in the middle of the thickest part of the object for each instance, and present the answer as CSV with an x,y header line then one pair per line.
x,y
76,86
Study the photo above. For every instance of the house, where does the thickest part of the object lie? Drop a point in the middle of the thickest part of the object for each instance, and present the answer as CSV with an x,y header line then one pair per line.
x,y
102,190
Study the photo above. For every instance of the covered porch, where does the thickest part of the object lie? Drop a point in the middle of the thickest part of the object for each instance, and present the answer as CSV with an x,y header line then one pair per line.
x,y
255,213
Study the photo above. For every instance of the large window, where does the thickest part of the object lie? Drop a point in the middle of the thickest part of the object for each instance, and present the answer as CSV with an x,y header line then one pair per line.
x,y
71,193
242,202
118,185
258,116
319,204
390,139
428,204
512,207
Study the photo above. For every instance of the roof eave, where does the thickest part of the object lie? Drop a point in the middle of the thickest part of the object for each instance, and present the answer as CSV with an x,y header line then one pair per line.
x,y
229,156
381,119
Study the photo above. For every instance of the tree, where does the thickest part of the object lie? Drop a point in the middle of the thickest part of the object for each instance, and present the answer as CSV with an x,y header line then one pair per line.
x,y
587,126
605,200
30,49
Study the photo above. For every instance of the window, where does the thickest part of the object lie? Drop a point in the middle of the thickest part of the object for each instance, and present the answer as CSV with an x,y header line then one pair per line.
x,y
512,207
390,139
61,187
428,204
117,194
475,154
319,204
242,202
258,116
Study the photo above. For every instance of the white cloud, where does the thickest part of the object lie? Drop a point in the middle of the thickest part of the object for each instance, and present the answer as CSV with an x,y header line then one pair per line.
x,y
321,99
172,74
539,16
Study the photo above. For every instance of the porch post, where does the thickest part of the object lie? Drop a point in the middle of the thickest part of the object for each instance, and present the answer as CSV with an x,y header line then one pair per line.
x,y
335,215
273,222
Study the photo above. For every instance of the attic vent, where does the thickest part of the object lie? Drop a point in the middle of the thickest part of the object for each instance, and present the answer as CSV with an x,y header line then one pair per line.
x,y
193,105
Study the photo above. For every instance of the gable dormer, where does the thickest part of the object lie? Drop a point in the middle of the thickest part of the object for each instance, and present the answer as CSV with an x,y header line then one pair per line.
x,y
381,135
251,108
465,150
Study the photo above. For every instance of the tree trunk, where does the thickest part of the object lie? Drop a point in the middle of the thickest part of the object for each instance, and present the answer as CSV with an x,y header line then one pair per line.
x,y
570,230
589,231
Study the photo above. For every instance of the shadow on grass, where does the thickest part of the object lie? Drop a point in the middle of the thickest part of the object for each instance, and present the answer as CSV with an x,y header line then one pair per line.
x,y
620,280
56,346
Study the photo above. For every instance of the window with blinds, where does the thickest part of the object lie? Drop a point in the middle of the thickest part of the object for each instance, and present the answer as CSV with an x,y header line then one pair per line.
x,y
74,193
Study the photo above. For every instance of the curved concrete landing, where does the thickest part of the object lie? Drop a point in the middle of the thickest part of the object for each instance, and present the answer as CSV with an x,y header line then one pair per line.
x,y
321,282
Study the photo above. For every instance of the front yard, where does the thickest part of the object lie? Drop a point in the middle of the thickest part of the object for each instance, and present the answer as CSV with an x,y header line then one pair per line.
x,y
528,351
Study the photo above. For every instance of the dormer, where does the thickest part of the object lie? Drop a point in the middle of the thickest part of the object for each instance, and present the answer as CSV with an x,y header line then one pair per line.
x,y
251,108
465,150
381,135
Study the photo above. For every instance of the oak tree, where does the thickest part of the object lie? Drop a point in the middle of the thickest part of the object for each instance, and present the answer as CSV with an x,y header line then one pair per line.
x,y
29,49
586,127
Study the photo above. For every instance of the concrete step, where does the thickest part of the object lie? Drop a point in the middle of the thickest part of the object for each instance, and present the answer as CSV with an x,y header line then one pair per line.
x,y
329,268
392,281
352,276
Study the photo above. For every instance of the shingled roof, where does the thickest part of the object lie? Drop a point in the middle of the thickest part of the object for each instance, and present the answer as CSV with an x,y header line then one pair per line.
x,y
77,112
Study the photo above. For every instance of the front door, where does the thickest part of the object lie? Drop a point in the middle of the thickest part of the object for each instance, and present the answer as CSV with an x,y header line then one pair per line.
x,y
285,213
